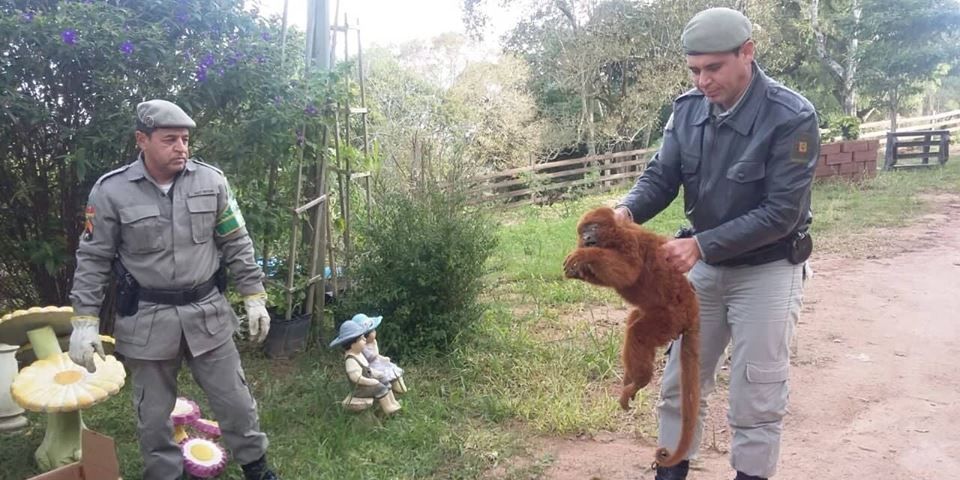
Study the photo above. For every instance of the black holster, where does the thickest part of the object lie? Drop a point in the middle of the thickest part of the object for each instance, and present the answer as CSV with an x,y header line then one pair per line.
x,y
128,290
221,277
799,248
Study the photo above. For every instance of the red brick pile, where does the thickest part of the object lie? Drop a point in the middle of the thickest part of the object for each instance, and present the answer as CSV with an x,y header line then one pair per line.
x,y
852,159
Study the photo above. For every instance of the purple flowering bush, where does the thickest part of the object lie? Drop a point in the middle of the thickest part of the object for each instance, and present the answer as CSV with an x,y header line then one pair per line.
x,y
72,74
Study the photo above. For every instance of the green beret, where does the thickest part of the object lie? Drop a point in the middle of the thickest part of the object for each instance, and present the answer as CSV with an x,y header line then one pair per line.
x,y
162,114
715,30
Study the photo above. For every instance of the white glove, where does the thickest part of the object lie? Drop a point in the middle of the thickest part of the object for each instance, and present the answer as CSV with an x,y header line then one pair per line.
x,y
84,340
257,315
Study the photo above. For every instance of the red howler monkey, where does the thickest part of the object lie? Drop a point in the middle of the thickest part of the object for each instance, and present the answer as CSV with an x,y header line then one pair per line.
x,y
617,253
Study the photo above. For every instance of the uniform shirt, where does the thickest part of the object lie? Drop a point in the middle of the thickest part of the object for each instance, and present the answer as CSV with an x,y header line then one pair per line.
x,y
746,175
169,241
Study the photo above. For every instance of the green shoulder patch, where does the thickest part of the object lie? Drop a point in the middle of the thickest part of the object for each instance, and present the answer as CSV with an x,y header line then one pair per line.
x,y
801,148
230,220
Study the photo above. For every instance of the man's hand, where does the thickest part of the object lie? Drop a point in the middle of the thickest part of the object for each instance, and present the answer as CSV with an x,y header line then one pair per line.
x,y
84,340
257,316
623,214
682,253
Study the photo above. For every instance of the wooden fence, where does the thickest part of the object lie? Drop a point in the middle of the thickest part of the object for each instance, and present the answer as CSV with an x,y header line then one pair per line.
x,y
552,181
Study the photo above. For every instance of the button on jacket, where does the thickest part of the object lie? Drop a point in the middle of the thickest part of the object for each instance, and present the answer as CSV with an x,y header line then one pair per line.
x,y
746,174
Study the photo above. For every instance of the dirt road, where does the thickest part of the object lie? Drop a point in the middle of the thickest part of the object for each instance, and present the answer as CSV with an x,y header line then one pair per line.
x,y
875,386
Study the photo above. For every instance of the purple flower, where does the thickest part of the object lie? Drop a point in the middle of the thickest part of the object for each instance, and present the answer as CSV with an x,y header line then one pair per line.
x,y
201,74
27,16
265,36
182,16
311,110
260,59
207,60
126,47
69,36
277,100
220,71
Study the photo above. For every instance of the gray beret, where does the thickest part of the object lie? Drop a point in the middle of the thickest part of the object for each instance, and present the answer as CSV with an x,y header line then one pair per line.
x,y
162,114
715,30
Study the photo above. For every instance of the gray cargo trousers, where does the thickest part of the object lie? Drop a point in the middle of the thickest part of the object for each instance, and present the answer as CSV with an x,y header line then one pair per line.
x,y
219,374
755,307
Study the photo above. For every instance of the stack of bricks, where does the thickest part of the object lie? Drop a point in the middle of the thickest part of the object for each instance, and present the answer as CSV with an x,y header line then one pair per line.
x,y
852,159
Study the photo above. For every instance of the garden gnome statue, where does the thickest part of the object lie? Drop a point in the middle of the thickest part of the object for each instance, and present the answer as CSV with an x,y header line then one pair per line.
x,y
364,381
392,375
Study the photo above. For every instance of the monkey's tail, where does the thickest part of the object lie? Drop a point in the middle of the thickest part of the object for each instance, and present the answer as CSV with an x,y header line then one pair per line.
x,y
690,390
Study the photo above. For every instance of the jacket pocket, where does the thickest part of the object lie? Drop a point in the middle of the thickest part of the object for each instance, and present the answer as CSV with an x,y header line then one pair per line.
x,y
212,321
690,176
140,229
203,211
746,172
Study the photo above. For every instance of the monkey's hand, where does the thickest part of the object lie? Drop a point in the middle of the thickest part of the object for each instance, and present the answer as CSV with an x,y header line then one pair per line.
x,y
577,266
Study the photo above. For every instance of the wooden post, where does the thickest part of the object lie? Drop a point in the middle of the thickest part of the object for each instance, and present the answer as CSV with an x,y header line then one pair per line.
x,y
890,157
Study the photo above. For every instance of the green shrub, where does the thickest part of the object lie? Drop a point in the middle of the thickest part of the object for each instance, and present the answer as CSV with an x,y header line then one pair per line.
x,y
420,263
848,126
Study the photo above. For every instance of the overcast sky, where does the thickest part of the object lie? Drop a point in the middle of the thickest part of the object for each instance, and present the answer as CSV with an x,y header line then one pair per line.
x,y
394,21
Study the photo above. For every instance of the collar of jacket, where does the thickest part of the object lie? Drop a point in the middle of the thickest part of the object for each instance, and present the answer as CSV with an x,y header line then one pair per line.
x,y
745,112
137,170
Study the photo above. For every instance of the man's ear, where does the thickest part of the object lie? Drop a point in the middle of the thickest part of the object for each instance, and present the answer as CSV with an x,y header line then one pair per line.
x,y
141,138
748,50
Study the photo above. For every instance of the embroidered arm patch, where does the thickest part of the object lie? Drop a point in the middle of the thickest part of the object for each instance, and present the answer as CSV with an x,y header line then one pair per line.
x,y
801,149
230,220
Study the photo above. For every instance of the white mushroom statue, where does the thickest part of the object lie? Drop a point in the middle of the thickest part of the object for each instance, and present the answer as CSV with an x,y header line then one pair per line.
x,y
54,384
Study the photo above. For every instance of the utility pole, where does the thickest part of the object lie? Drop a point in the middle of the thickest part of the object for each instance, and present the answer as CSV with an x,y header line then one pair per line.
x,y
318,34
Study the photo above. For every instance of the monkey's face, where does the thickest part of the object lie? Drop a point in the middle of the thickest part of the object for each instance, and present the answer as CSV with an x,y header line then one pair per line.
x,y
596,228
590,235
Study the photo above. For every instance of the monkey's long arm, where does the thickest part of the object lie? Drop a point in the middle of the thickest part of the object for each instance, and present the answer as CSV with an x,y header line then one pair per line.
x,y
601,266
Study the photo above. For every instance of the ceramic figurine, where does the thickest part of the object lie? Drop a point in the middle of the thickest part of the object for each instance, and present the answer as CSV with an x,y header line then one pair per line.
x,y
392,374
365,383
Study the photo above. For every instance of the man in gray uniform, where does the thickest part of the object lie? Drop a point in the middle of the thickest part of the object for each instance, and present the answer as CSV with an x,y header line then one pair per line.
x,y
744,148
162,224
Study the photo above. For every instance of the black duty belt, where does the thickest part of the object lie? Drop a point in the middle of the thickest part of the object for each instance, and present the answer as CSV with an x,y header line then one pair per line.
x,y
179,297
796,248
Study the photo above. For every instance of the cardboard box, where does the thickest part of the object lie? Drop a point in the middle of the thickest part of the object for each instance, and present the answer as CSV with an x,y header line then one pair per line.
x,y
98,461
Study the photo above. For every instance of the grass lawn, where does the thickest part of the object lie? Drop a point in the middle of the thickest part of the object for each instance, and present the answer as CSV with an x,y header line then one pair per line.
x,y
544,361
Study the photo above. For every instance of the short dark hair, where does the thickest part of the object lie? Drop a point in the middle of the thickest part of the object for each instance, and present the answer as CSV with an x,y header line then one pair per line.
x,y
350,341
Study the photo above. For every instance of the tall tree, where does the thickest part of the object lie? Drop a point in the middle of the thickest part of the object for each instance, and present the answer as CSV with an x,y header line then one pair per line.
x,y
912,43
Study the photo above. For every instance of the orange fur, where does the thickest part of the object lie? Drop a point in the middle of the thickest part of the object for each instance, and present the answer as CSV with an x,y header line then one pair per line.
x,y
626,257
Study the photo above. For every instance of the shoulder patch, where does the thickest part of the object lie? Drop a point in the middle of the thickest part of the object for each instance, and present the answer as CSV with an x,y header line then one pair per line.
x,y
802,149
211,167
112,173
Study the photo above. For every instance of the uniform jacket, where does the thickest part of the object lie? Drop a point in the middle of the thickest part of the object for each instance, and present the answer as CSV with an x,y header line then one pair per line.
x,y
170,241
746,176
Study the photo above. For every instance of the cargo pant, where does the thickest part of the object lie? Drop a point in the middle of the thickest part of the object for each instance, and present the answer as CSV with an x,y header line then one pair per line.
x,y
219,374
755,307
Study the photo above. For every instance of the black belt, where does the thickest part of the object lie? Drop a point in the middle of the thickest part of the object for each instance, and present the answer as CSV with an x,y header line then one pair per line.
x,y
179,297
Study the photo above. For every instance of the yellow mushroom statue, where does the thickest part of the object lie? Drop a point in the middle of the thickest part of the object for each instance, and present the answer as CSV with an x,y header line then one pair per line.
x,y
13,335
54,384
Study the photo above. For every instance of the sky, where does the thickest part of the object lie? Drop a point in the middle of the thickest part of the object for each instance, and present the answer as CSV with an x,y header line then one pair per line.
x,y
394,21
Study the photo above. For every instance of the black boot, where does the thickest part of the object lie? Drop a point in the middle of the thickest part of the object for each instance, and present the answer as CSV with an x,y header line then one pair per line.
x,y
744,476
258,470
676,472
